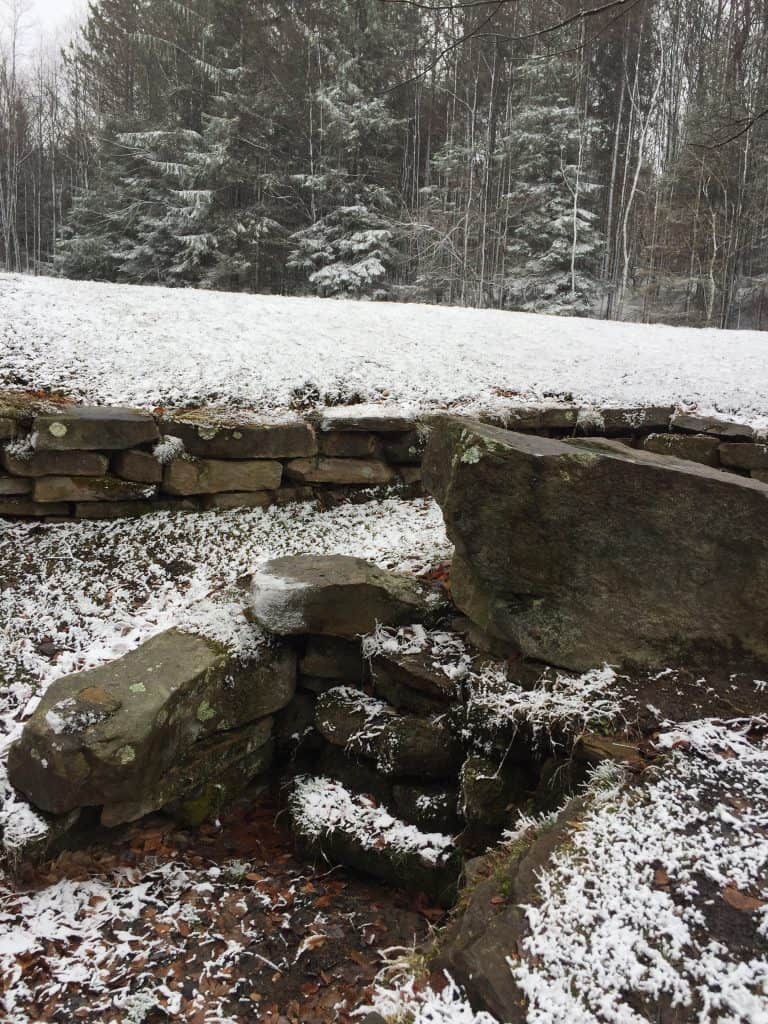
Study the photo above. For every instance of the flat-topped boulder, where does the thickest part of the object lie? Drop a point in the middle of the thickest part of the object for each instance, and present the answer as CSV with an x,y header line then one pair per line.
x,y
219,434
336,595
93,428
592,552
111,735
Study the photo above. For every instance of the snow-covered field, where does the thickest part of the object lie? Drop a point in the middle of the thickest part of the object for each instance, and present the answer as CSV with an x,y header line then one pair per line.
x,y
159,347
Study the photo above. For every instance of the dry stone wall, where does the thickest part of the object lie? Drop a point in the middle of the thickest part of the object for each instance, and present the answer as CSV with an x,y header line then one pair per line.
x,y
59,460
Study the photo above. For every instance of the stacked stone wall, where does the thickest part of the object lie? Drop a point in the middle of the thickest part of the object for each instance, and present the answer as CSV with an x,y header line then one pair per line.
x,y
60,460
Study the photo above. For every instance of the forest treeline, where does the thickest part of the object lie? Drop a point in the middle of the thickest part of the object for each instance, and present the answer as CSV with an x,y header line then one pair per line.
x,y
596,157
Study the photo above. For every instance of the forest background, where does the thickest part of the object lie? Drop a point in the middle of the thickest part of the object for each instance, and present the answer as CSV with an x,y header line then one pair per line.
x,y
606,158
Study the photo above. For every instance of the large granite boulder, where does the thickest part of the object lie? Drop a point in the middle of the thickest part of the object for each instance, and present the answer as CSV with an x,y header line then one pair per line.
x,y
121,734
336,595
588,552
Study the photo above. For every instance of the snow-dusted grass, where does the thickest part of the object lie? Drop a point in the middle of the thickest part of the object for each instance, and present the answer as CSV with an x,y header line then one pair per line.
x,y
153,346
76,595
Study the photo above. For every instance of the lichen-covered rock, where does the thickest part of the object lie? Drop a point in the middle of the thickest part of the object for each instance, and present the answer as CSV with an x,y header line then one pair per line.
x,y
110,735
208,775
220,434
93,428
211,476
588,553
336,595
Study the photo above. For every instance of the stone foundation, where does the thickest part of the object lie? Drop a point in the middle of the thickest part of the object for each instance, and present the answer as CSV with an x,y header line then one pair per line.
x,y
59,460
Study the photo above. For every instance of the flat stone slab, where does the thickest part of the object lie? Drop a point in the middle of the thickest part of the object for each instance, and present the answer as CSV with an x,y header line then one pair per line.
x,y
14,485
110,735
214,434
724,429
56,464
744,456
85,488
374,418
348,444
590,552
93,428
336,595
324,470
213,476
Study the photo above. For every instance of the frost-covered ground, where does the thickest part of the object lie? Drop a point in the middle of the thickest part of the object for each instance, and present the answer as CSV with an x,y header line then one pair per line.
x,y
163,347
659,899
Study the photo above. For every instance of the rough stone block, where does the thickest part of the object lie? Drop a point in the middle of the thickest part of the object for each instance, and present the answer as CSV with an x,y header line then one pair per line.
x,y
14,485
724,429
85,488
336,595
141,467
111,735
627,421
324,470
215,434
191,790
350,445
694,447
744,456
56,464
589,553
761,475
377,419
7,428
538,417
215,476
26,507
93,428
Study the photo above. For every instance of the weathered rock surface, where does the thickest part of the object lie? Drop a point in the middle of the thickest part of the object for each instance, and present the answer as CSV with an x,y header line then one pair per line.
x,y
213,435
56,464
744,456
93,428
22,506
207,775
211,476
142,467
322,470
696,447
430,807
488,789
14,485
331,658
111,735
347,444
591,552
400,745
335,595
90,488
